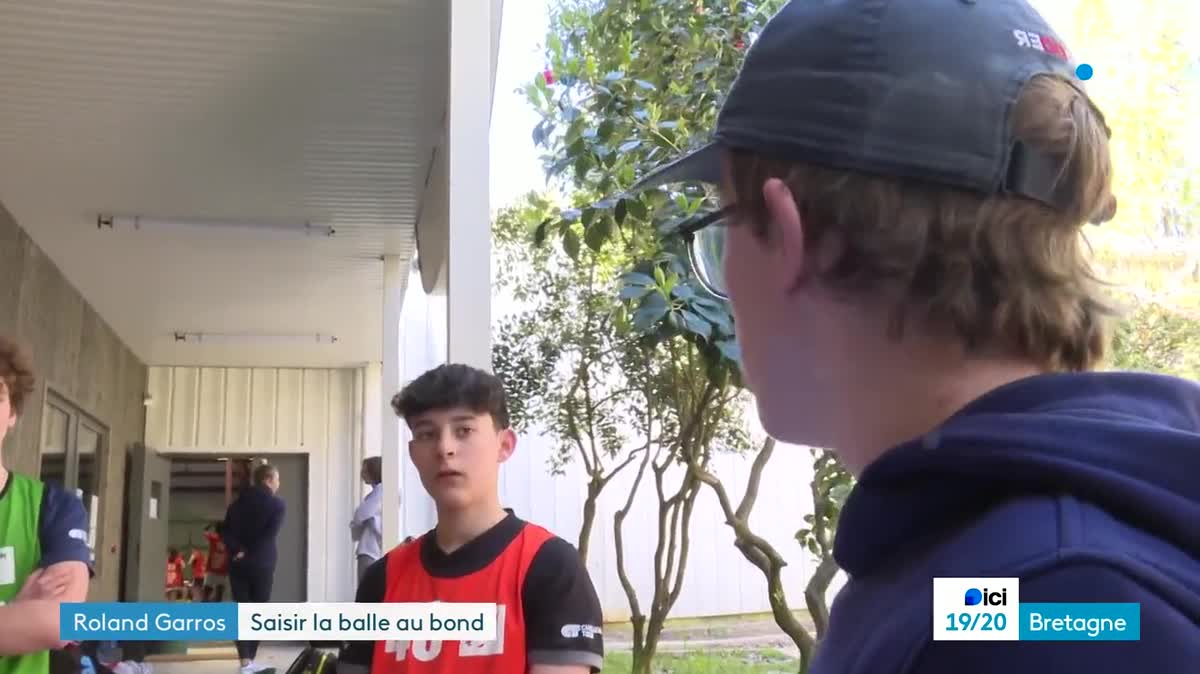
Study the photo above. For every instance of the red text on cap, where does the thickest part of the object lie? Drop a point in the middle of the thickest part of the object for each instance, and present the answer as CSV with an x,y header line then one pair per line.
x,y
1046,43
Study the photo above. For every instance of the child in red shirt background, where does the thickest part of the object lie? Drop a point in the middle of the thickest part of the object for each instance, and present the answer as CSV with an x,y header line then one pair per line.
x,y
174,584
198,564
216,578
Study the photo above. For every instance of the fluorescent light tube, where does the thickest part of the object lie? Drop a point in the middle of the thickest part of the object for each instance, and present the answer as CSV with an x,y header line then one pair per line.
x,y
139,222
252,338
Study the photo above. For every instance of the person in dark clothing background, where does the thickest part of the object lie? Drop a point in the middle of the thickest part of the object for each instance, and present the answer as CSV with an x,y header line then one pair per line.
x,y
251,525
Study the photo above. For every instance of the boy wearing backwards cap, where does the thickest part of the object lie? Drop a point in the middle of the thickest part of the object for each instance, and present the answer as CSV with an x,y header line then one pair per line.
x,y
900,239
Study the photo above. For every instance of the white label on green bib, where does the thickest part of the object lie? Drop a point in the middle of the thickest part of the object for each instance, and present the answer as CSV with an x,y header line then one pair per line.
x,y
8,565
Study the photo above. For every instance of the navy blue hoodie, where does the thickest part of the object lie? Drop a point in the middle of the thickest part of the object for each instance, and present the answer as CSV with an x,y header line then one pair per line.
x,y
1085,486
251,525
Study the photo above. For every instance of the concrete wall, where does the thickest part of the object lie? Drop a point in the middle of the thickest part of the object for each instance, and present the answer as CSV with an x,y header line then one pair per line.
x,y
78,356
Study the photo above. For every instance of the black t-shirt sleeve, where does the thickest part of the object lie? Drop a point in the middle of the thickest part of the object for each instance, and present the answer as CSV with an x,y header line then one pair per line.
x,y
356,656
562,611
63,529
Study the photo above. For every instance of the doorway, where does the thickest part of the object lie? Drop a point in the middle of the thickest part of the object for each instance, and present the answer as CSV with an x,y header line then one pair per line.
x,y
173,497
200,487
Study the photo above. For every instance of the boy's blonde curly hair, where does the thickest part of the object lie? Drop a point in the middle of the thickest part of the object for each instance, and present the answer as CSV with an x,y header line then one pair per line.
x,y
1002,273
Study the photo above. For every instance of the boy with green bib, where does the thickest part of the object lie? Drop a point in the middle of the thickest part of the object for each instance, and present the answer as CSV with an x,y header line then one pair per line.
x,y
44,557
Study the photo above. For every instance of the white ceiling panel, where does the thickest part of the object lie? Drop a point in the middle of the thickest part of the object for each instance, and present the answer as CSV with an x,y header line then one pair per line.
x,y
324,111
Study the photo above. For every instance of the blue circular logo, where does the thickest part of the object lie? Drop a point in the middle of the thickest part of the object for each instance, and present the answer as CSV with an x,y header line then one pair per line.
x,y
974,597
1084,71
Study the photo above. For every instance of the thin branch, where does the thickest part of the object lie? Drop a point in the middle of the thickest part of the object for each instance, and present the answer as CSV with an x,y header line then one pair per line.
x,y
685,541
619,542
572,427
659,548
614,395
613,473
756,471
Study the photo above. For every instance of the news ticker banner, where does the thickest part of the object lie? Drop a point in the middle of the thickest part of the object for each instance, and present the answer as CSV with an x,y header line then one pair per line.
x,y
183,621
990,609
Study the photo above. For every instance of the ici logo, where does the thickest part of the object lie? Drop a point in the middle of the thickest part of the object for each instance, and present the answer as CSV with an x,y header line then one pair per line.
x,y
976,597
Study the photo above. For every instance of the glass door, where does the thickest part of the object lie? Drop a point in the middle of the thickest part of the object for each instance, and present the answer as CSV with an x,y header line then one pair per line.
x,y
72,447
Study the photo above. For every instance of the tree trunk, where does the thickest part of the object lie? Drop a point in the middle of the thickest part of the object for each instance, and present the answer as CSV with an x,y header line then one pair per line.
x,y
643,661
674,534
589,518
814,595
637,619
767,559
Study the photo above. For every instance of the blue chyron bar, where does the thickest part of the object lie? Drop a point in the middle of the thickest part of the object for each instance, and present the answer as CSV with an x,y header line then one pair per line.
x,y
164,621
1081,622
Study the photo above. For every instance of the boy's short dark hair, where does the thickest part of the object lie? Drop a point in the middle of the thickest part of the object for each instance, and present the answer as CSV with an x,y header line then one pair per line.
x,y
454,385
16,371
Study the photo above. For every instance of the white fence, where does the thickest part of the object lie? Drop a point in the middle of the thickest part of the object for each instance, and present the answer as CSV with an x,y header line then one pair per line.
x,y
717,579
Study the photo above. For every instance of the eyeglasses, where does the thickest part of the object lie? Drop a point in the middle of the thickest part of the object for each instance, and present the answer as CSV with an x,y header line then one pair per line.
x,y
705,239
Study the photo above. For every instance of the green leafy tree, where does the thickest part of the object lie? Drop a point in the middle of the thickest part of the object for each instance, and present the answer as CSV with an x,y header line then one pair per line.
x,y
570,373
688,417
1148,83
1157,338
1149,88
578,366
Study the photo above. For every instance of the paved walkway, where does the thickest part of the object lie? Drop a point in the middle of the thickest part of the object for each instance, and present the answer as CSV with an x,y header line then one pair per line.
x,y
279,656
716,634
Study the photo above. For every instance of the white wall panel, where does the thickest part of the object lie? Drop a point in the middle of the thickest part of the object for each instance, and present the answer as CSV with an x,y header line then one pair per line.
x,y
185,385
211,407
341,479
236,431
264,415
289,420
265,410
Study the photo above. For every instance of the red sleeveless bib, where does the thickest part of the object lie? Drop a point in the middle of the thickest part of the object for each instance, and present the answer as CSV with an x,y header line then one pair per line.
x,y
499,582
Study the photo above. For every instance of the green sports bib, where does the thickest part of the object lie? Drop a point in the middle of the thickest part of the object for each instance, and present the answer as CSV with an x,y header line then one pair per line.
x,y
20,551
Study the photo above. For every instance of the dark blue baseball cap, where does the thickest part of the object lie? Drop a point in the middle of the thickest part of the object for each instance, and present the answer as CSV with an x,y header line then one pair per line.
x,y
919,89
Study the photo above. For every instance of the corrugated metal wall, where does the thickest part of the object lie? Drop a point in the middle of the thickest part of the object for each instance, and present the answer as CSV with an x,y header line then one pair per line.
x,y
263,410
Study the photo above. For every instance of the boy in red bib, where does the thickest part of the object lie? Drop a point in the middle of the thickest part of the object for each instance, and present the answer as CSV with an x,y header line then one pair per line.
x,y
198,563
216,578
548,614
174,582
